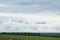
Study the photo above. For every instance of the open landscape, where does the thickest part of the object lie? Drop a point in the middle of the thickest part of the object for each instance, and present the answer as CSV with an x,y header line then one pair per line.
x,y
15,37
29,36
29,19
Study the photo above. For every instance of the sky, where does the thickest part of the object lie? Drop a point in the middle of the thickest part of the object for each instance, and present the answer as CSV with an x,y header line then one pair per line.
x,y
30,16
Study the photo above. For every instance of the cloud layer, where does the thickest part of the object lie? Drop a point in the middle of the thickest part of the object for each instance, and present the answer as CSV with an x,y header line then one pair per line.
x,y
29,6
29,23
29,15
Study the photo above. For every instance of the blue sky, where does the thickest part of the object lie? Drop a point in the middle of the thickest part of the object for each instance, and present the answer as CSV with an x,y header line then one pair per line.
x,y
30,15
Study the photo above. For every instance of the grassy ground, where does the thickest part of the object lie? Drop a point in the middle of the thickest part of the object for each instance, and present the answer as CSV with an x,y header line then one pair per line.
x,y
15,37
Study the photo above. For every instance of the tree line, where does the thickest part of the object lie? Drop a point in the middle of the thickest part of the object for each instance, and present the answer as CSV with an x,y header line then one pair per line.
x,y
32,34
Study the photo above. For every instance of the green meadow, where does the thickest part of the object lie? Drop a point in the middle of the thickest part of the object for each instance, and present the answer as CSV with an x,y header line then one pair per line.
x,y
18,37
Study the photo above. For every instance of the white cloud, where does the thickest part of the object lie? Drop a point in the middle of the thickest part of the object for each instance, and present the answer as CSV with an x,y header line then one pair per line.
x,y
4,5
27,22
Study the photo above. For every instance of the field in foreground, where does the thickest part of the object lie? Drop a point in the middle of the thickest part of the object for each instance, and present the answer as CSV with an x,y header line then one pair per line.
x,y
16,37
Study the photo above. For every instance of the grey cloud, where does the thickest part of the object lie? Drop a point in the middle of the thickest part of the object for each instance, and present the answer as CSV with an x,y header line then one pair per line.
x,y
41,23
28,6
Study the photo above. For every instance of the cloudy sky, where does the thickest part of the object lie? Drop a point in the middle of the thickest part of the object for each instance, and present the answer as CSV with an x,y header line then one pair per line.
x,y
30,16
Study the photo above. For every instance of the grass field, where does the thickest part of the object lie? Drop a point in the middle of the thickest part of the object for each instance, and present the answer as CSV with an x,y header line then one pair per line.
x,y
16,37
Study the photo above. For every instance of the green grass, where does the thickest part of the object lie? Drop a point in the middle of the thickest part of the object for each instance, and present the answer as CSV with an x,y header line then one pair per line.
x,y
16,37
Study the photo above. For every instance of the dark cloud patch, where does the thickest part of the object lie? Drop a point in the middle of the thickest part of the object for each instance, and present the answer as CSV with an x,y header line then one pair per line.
x,y
41,23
